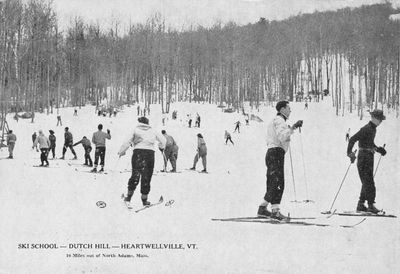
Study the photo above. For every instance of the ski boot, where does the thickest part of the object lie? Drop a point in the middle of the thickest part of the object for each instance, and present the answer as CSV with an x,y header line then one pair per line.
x,y
128,196
263,212
204,171
277,215
75,158
94,170
372,209
144,200
192,168
101,169
62,158
361,207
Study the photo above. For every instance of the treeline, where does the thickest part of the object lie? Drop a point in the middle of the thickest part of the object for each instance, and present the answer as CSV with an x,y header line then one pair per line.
x,y
351,54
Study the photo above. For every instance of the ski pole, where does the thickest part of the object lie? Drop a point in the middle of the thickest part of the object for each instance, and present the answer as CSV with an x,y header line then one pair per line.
x,y
304,167
377,165
341,184
294,184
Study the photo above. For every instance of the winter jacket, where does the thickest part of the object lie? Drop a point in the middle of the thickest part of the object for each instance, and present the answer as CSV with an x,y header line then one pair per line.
x,y
11,138
201,146
143,137
278,133
52,139
365,137
42,140
99,138
68,140
85,143
170,144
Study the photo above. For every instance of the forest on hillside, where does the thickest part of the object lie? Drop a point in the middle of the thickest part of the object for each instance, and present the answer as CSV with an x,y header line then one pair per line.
x,y
351,55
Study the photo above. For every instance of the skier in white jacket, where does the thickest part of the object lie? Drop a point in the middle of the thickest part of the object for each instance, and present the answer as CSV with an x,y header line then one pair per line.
x,y
142,140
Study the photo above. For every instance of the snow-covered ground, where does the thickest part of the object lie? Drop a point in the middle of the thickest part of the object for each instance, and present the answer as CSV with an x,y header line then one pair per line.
x,y
58,205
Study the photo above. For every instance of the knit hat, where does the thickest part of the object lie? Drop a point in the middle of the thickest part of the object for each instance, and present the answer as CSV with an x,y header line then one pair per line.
x,y
143,120
199,135
51,131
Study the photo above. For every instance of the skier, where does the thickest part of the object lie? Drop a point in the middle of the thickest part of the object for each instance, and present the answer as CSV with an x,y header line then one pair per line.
x,y
142,139
247,119
365,162
197,120
34,135
75,112
11,139
170,152
138,110
306,106
189,120
99,140
237,127
44,145
201,152
228,137
278,138
87,146
59,120
52,139
68,141
348,135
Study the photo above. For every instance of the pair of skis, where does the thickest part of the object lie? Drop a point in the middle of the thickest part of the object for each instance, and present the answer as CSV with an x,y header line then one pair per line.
x,y
129,206
359,214
299,221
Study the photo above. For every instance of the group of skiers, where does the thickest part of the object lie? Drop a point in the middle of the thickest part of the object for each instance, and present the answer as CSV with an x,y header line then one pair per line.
x,y
278,134
47,144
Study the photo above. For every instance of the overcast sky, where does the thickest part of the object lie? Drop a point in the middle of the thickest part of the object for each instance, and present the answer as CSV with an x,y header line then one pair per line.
x,y
181,13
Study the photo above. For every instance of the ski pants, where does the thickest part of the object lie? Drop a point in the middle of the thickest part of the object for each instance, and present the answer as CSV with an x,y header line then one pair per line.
x,y
43,155
365,166
70,147
53,150
237,128
99,152
228,138
142,170
275,162
172,156
88,160
203,159
11,149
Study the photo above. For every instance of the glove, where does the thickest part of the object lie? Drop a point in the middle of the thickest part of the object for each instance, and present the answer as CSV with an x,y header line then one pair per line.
x,y
352,157
161,149
381,150
299,123
108,131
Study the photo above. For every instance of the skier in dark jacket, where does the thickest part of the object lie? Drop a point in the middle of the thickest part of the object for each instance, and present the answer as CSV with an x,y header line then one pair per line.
x,y
68,141
237,127
142,140
228,138
52,139
87,146
365,163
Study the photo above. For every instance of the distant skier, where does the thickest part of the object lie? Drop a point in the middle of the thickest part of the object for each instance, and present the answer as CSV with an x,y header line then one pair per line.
x,y
306,105
138,110
34,135
115,112
59,122
365,162
75,112
99,140
348,135
247,119
197,124
228,138
170,152
68,141
87,146
52,139
44,145
201,153
11,139
189,116
278,138
237,127
143,140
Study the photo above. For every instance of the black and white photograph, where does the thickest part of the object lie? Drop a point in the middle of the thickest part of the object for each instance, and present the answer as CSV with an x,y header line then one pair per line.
x,y
225,136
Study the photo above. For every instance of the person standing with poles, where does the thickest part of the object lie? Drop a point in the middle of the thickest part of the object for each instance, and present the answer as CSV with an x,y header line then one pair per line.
x,y
170,152
365,162
44,144
87,146
278,138
99,140
201,153
52,139
142,140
